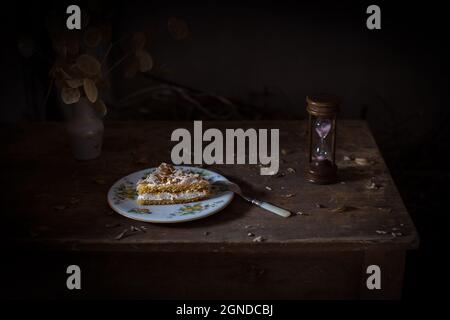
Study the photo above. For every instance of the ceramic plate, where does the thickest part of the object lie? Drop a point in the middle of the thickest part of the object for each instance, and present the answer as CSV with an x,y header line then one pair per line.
x,y
122,198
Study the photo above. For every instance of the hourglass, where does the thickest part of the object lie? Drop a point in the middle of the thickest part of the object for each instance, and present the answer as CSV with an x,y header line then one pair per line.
x,y
322,128
322,109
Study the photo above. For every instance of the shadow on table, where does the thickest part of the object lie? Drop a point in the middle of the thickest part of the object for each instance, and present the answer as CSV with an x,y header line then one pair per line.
x,y
353,174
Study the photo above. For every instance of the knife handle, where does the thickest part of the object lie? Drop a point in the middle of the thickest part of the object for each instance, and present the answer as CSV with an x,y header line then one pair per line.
x,y
272,208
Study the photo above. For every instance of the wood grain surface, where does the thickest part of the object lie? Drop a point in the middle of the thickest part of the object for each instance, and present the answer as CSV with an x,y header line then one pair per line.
x,y
51,200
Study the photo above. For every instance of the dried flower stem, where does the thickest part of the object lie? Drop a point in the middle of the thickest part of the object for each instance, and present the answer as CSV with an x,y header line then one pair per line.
x,y
47,95
64,73
106,54
126,100
117,63
111,45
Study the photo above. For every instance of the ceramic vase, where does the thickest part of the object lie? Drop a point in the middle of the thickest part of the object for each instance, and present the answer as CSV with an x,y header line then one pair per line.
x,y
85,130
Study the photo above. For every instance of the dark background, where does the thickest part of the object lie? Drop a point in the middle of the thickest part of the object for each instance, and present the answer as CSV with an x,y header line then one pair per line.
x,y
266,56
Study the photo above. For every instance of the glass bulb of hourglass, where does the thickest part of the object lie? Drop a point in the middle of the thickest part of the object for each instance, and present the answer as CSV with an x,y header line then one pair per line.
x,y
322,128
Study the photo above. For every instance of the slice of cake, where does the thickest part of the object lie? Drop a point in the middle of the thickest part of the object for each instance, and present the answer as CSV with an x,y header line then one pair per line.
x,y
167,185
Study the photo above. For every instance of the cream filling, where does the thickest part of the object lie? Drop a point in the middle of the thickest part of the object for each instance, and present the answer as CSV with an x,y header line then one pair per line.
x,y
173,196
177,177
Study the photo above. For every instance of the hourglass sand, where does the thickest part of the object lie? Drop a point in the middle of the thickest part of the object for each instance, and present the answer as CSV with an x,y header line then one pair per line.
x,y
322,111
322,128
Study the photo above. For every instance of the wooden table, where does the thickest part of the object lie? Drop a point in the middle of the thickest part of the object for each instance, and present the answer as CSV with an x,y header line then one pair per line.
x,y
56,215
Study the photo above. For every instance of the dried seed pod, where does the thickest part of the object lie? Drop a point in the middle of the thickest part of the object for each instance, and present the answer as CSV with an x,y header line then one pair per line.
x,y
133,228
88,65
100,107
70,95
289,195
90,89
259,239
339,209
143,229
74,83
145,60
178,28
343,208
361,161
122,234
373,185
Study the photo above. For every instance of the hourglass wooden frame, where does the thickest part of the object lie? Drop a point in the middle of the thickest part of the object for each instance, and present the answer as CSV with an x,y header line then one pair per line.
x,y
322,107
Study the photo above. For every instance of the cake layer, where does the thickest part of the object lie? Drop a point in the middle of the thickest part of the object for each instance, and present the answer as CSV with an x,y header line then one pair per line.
x,y
171,198
144,188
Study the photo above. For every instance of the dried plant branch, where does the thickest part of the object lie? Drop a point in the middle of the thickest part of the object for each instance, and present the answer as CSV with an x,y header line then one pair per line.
x,y
186,93
139,94
49,90
117,63
106,54
111,45
65,74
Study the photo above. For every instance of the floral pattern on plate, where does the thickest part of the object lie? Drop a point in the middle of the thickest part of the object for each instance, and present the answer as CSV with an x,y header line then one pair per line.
x,y
139,210
195,208
126,190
